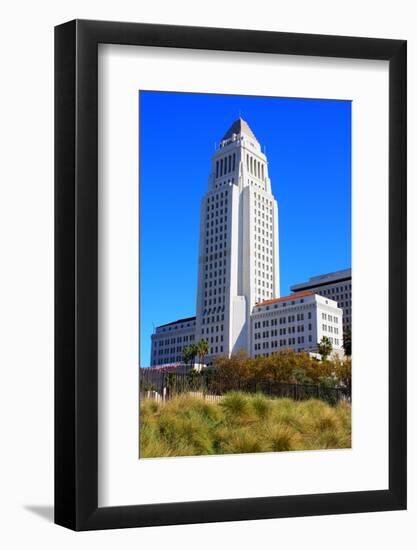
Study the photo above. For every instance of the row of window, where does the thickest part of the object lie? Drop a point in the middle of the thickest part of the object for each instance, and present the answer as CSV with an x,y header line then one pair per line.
x,y
282,320
330,318
282,331
215,248
261,208
258,229
265,275
215,256
215,301
212,274
214,292
255,167
212,212
169,350
260,186
261,199
215,203
212,319
265,247
341,288
261,224
215,213
263,256
178,358
211,311
263,283
284,342
212,329
209,284
225,182
218,262
214,222
262,295
178,340
341,292
282,304
329,328
265,219
217,196
264,242
225,165
215,239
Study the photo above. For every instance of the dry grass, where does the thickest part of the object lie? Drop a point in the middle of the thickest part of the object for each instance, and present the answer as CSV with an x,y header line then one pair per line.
x,y
241,423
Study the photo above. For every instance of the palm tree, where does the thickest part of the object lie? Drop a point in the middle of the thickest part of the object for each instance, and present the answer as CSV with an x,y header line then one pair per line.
x,y
193,352
187,355
202,349
325,347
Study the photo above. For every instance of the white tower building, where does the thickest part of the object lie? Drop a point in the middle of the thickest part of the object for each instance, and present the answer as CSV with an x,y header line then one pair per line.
x,y
238,251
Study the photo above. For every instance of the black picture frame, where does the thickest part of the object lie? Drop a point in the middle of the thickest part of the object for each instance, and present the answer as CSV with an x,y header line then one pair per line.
x,y
76,273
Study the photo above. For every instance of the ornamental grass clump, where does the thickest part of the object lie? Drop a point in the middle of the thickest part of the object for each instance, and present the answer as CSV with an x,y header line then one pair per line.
x,y
241,423
236,405
242,440
280,437
261,405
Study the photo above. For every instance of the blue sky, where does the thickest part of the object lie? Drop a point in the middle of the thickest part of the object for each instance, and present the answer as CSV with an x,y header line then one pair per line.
x,y
308,146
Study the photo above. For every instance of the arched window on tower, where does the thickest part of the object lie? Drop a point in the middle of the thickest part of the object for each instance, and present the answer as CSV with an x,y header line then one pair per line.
x,y
230,163
217,168
234,161
263,174
247,162
221,167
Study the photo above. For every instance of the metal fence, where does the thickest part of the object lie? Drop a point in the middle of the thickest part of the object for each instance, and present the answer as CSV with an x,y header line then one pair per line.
x,y
165,385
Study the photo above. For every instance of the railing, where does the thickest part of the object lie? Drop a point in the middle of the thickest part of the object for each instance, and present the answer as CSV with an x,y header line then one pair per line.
x,y
165,385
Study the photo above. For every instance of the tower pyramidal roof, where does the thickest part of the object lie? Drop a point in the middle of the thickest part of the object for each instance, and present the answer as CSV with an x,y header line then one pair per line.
x,y
239,126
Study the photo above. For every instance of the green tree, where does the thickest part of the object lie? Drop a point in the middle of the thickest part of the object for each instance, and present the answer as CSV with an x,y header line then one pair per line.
x,y
240,372
347,342
202,349
187,355
325,347
344,372
193,352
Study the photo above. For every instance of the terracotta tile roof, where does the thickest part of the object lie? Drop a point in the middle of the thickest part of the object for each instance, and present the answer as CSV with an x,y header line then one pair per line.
x,y
285,298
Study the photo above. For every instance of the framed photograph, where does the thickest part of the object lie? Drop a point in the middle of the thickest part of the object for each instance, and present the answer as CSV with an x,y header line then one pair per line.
x,y
230,255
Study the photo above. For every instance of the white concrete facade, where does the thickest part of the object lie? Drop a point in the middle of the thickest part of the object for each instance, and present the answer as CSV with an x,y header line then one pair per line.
x,y
337,286
168,341
238,252
298,322
238,295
